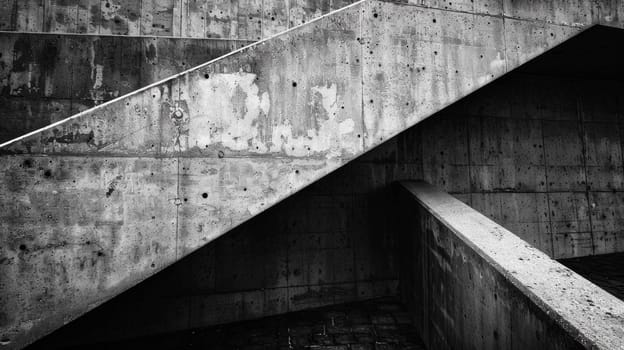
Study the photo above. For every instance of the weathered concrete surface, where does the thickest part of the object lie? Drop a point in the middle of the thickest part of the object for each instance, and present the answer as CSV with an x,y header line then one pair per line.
x,y
473,284
244,19
46,78
244,132
539,151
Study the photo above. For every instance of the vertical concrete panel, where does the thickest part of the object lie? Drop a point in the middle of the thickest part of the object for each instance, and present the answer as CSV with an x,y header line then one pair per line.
x,y
88,68
158,17
194,18
564,156
570,223
88,16
275,16
61,16
120,17
603,156
8,10
527,215
607,225
249,20
29,16
57,61
25,77
7,45
222,19
410,70
445,159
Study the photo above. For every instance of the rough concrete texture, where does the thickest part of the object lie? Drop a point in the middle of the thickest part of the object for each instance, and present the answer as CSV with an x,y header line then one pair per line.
x,y
330,243
539,155
46,78
244,19
473,284
603,270
204,151
334,241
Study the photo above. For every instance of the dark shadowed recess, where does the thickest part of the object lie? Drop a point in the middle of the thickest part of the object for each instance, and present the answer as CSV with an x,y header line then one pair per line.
x,y
356,201
596,53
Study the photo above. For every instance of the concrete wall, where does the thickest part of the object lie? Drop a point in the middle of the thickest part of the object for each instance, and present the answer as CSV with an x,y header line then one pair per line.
x,y
333,242
471,284
47,78
243,19
541,156
199,154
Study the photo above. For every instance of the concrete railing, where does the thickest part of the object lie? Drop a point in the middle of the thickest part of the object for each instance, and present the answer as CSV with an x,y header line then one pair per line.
x,y
471,284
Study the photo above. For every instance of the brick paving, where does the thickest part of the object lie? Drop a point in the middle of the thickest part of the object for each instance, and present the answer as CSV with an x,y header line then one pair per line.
x,y
370,325
607,271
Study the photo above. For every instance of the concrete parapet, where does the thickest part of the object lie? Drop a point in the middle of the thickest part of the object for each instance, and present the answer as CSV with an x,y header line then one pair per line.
x,y
470,283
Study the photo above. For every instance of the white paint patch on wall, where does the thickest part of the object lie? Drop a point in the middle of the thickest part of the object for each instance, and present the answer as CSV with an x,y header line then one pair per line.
x,y
229,113
235,114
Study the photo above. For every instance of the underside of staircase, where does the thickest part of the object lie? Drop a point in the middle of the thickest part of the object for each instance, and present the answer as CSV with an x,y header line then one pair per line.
x,y
96,203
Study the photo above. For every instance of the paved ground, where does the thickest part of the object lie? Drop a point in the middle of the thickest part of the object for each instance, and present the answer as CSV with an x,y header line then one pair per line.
x,y
607,271
374,325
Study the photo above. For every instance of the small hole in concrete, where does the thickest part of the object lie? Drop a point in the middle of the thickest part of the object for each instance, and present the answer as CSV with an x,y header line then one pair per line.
x,y
375,15
204,195
296,171
206,75
434,20
47,173
221,154
22,247
294,84
245,189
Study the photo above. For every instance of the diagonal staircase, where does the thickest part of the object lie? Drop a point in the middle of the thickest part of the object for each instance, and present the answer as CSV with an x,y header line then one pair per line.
x,y
95,203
